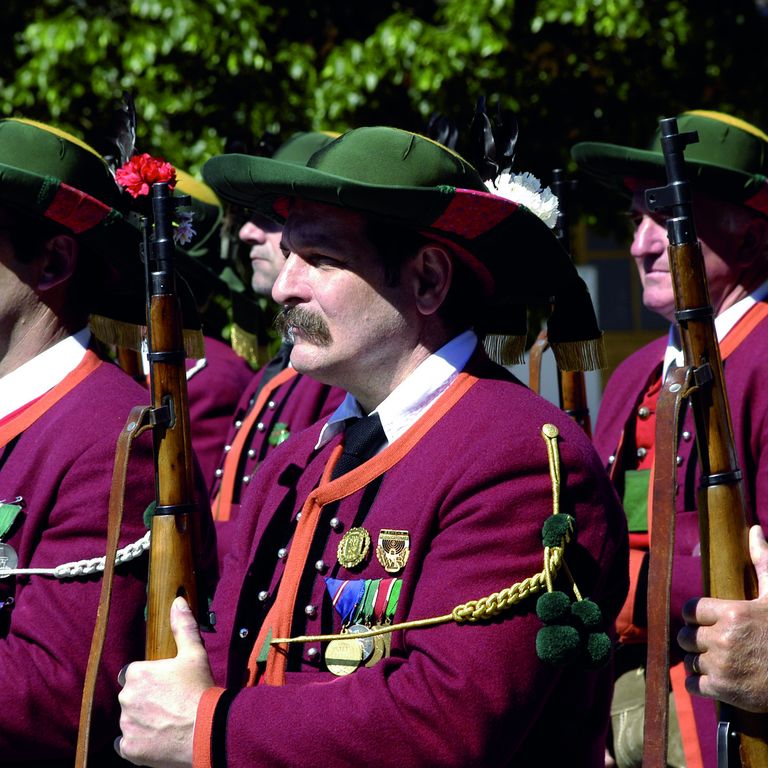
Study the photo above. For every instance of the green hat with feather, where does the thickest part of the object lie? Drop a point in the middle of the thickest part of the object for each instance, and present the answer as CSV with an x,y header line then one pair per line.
x,y
52,176
407,179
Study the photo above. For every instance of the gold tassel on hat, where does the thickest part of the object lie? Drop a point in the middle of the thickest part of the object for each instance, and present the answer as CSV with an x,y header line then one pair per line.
x,y
121,334
194,344
504,349
584,355
117,332
246,345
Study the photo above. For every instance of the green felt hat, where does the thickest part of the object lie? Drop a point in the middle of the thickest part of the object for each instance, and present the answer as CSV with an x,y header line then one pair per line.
x,y
301,146
52,175
407,179
250,329
730,160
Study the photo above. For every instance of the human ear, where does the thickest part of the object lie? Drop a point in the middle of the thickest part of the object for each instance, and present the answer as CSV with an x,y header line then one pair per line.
x,y
754,242
432,271
58,261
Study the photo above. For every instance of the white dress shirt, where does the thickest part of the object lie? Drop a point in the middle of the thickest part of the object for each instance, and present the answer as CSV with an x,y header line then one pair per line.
x,y
724,322
412,397
43,372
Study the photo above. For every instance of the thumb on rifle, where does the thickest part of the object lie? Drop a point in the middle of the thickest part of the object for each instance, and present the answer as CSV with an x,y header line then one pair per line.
x,y
185,630
758,551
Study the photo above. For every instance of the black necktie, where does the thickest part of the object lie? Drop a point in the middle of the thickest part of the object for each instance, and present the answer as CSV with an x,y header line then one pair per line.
x,y
276,364
362,438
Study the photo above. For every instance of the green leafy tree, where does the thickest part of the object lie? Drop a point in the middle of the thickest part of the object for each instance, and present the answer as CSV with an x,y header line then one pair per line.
x,y
205,70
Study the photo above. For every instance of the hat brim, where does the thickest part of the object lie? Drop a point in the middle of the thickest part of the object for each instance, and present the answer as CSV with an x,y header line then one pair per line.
x,y
256,182
103,231
616,166
474,220
97,223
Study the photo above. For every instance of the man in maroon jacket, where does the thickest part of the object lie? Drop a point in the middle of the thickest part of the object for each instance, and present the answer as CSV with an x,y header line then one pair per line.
x,y
727,167
378,606
278,401
65,252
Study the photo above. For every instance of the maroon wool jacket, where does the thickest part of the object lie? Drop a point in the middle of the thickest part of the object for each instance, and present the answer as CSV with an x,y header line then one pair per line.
x,y
214,392
746,373
292,407
62,467
473,495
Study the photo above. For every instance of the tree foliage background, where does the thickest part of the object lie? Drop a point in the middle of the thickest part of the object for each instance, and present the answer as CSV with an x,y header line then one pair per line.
x,y
207,71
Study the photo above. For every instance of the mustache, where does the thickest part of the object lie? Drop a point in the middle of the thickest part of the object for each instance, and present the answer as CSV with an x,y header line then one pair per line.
x,y
312,326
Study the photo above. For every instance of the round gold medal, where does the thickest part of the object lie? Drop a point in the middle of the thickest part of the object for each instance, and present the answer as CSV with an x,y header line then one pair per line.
x,y
378,650
342,657
353,547
367,642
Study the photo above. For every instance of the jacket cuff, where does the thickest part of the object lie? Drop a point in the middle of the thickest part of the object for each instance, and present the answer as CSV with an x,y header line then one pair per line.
x,y
209,741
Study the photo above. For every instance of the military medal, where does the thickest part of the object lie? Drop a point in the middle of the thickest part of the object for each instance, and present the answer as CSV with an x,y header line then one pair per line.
x,y
342,657
366,642
393,549
378,649
8,559
353,547
9,511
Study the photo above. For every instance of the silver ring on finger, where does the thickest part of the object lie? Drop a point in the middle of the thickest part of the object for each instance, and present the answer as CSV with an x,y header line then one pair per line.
x,y
696,664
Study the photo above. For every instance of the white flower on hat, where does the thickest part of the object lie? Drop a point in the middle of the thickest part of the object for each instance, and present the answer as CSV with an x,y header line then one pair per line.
x,y
525,189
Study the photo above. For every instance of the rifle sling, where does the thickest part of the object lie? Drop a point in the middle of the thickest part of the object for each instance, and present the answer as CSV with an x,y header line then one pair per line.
x,y
660,567
137,423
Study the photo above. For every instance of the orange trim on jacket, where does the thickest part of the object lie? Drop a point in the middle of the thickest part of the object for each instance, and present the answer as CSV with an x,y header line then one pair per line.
x,y
222,504
280,617
23,418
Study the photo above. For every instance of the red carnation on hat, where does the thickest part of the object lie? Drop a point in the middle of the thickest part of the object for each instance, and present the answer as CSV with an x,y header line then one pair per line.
x,y
142,171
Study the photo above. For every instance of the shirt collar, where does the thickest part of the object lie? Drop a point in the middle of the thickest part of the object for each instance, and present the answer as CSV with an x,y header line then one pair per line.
x,y
43,372
408,401
724,322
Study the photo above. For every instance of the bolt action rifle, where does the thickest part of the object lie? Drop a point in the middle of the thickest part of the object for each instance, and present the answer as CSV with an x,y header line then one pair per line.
x,y
726,565
175,525
571,385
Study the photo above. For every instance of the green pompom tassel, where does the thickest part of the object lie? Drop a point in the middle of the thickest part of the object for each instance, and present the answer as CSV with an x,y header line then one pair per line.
x,y
553,607
555,529
557,644
149,513
598,649
587,612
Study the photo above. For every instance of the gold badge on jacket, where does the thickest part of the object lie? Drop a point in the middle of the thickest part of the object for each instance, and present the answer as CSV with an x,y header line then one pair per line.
x,y
353,547
393,549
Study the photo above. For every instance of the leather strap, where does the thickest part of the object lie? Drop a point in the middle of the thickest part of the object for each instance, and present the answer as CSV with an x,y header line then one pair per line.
x,y
137,424
664,485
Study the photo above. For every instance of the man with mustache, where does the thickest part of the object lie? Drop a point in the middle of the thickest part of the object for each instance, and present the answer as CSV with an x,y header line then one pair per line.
x,y
379,606
279,401
727,170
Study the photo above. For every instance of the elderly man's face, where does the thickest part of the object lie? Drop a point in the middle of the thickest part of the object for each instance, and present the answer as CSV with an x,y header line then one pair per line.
x,y
263,237
720,227
348,326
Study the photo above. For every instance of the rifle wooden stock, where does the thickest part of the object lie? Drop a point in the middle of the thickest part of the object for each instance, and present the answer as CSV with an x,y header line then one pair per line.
x,y
726,565
174,523
723,527
573,398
